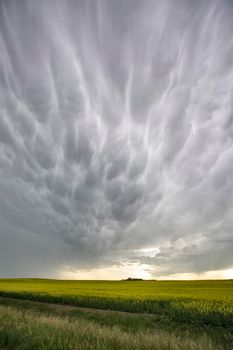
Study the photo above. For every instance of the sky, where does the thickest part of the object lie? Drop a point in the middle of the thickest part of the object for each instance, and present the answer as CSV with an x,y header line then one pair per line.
x,y
116,139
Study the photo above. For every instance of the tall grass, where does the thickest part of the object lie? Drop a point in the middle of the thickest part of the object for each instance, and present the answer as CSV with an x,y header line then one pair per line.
x,y
30,329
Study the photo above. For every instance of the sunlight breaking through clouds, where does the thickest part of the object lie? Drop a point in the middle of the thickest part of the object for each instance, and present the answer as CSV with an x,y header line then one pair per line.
x,y
116,135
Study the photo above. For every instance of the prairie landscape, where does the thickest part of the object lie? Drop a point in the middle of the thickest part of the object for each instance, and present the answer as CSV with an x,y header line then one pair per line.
x,y
166,315
116,174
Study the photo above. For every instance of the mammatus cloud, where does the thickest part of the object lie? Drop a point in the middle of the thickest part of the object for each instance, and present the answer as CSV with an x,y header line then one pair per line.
x,y
116,136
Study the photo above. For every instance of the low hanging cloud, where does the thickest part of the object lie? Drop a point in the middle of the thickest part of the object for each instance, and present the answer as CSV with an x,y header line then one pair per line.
x,y
116,135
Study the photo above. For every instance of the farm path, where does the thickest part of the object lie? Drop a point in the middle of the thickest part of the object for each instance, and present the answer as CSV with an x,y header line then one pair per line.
x,y
60,308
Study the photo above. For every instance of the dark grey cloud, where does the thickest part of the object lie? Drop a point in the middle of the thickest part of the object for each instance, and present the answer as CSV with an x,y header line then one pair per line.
x,y
116,135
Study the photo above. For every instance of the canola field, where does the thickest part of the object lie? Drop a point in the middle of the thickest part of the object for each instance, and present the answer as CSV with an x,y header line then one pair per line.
x,y
195,302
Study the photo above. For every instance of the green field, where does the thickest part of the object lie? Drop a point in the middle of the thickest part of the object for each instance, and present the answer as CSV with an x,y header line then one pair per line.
x,y
144,314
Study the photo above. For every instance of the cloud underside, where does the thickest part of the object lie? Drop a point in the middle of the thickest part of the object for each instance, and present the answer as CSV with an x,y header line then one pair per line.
x,y
116,135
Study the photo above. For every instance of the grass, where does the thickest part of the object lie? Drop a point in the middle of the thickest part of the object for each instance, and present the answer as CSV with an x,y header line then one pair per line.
x,y
128,315
27,325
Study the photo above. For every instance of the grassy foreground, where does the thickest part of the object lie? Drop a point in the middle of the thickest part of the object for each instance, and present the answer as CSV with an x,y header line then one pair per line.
x,y
29,325
161,315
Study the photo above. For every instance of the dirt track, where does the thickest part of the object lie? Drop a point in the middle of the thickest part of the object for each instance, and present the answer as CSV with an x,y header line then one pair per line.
x,y
66,308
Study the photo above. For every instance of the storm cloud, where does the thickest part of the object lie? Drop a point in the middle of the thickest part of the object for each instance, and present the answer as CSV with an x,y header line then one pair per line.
x,y
116,135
